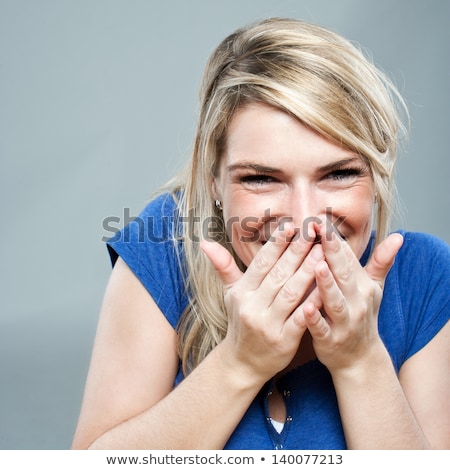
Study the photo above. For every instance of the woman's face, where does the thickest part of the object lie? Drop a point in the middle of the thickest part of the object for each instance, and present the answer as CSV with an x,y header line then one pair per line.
x,y
274,170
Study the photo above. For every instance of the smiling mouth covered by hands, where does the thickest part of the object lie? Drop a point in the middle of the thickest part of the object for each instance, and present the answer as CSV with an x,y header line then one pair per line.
x,y
296,283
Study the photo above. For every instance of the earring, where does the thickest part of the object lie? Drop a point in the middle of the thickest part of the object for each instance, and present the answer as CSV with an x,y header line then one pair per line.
x,y
376,198
219,204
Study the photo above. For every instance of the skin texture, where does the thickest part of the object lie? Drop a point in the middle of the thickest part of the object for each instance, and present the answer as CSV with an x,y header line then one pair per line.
x,y
297,299
276,169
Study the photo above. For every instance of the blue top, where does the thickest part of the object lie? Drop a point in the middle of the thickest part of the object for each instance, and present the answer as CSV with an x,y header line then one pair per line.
x,y
415,306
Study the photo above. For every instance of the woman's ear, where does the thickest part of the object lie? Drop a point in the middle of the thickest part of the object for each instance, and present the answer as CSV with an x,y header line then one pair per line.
x,y
216,194
214,191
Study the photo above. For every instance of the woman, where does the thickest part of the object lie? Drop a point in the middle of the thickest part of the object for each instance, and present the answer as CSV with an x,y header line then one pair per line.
x,y
250,306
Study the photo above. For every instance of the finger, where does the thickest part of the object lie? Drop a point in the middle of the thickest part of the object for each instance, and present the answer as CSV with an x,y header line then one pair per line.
x,y
294,327
223,262
334,301
268,255
301,282
313,298
383,258
317,325
341,260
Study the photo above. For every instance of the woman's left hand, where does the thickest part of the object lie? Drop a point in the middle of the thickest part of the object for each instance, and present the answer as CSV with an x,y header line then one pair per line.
x,y
342,314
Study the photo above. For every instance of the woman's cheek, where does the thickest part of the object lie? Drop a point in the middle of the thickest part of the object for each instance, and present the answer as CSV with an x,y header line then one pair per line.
x,y
245,236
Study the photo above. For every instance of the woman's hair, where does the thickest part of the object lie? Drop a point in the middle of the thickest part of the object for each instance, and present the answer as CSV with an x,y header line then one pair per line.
x,y
311,73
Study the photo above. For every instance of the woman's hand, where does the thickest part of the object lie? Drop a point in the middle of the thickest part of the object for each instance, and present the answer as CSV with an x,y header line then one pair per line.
x,y
264,318
345,334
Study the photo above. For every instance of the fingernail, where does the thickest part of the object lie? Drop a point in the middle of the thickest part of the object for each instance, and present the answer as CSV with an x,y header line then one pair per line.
x,y
324,270
316,253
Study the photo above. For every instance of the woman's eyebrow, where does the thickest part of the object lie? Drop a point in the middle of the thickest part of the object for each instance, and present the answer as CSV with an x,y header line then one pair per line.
x,y
332,166
252,166
336,165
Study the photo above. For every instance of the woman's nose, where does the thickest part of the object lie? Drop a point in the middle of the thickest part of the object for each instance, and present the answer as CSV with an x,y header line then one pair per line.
x,y
306,208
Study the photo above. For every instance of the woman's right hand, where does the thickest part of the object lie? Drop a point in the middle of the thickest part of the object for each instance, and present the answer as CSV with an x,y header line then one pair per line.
x,y
265,322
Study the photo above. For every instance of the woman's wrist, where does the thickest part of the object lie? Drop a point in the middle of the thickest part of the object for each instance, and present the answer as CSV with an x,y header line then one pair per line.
x,y
242,374
365,368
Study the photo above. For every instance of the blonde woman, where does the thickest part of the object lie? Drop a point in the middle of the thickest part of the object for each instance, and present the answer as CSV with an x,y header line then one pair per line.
x,y
252,305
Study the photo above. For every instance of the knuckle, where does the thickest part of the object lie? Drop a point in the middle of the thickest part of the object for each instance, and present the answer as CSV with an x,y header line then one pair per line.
x,y
339,342
234,295
246,319
289,294
371,293
260,261
277,274
321,328
298,247
322,332
340,306
362,308
346,275
272,342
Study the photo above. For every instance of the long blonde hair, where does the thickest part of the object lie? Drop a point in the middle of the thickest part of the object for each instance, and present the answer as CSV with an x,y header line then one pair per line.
x,y
311,73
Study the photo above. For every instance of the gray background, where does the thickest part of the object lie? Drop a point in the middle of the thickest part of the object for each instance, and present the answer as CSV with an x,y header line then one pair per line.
x,y
98,100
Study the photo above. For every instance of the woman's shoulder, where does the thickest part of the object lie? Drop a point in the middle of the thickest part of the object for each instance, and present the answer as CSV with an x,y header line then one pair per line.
x,y
164,203
416,297
150,247
424,249
425,240
423,262
417,246
161,211
153,225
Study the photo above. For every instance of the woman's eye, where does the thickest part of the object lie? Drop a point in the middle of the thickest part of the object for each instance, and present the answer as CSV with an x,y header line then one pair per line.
x,y
257,180
339,175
